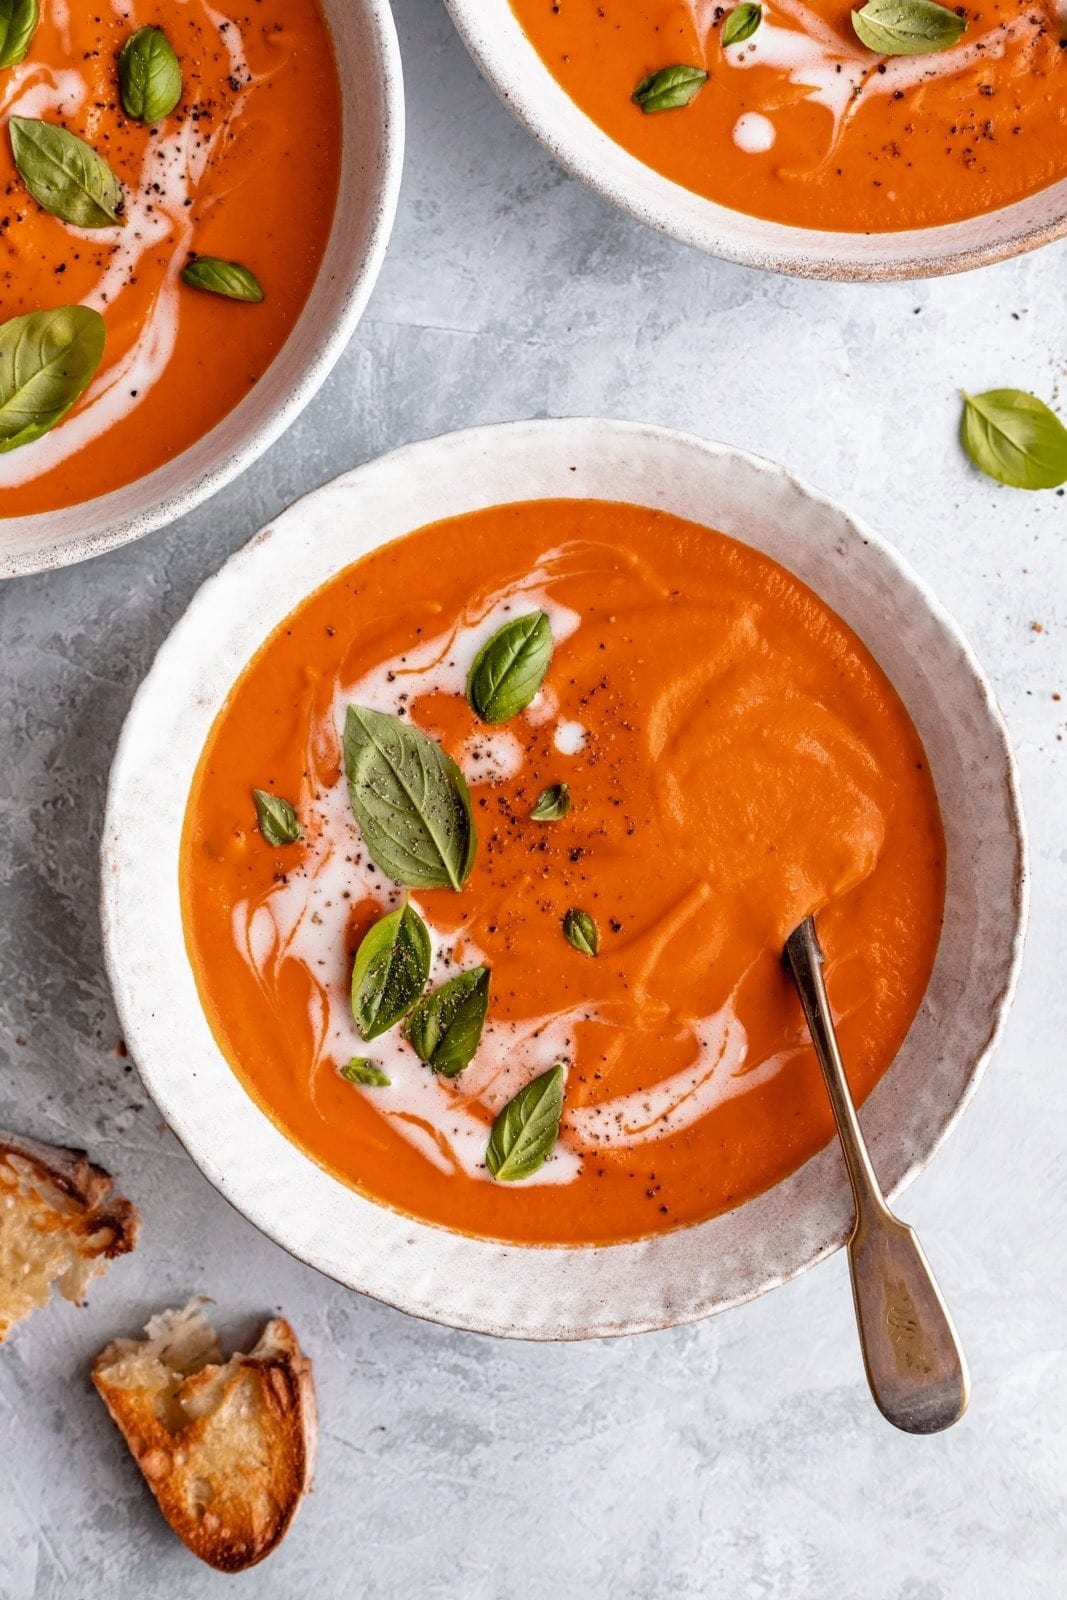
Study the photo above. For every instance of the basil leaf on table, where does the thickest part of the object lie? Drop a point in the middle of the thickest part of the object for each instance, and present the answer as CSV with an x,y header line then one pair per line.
x,y
1014,437
150,75
65,175
359,1070
581,931
227,278
47,361
669,88
510,668
391,968
277,819
741,24
907,27
445,1028
526,1129
552,803
18,24
411,801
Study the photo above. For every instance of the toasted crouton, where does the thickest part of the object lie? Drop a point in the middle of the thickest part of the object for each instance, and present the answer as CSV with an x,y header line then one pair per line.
x,y
227,1447
59,1224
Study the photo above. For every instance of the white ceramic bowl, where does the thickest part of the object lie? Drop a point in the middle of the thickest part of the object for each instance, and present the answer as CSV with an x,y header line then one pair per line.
x,y
541,1292
505,55
372,97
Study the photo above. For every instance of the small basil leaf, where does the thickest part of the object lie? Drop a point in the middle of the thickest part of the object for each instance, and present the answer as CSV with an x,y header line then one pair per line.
x,y
526,1129
1014,438
390,972
277,820
552,803
582,932
65,175
907,27
18,24
411,801
741,24
359,1070
445,1028
47,361
510,667
669,88
228,278
150,76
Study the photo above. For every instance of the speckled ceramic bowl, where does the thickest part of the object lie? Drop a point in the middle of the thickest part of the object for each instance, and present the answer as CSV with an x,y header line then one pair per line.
x,y
368,61
540,1292
511,64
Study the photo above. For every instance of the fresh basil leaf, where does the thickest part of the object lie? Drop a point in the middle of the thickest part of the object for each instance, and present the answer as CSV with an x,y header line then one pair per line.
x,y
65,175
150,75
741,24
526,1129
907,27
552,803
390,972
47,361
277,819
445,1028
1014,437
510,667
359,1070
228,278
582,932
669,88
18,24
411,801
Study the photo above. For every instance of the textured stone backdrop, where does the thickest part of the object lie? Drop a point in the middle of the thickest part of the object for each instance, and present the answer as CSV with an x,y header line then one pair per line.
x,y
736,1459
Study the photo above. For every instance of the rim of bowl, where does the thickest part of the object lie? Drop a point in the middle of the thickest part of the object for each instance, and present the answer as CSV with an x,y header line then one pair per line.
x,y
365,261
128,801
512,67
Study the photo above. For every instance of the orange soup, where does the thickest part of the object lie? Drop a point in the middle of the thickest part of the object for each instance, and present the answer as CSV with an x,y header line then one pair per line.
x,y
243,170
801,121
733,760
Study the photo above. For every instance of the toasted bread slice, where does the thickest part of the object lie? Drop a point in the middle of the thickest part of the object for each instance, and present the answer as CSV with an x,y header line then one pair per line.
x,y
227,1447
59,1224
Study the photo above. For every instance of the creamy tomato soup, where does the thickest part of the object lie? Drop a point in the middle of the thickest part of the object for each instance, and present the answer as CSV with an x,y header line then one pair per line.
x,y
244,169
734,760
802,122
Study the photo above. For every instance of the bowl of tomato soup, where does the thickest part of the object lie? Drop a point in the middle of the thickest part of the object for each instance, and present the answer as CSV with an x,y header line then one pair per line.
x,y
896,139
453,839
197,203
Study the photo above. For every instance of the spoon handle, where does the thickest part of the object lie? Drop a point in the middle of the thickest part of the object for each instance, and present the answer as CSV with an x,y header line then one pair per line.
x,y
912,1355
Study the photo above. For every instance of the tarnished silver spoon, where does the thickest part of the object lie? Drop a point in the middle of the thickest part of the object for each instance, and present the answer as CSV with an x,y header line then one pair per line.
x,y
915,1366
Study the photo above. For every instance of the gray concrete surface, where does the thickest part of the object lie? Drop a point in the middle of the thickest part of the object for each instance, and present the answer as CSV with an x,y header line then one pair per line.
x,y
738,1459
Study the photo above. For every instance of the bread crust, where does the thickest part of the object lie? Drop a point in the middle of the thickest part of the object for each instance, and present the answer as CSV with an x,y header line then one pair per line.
x,y
227,1447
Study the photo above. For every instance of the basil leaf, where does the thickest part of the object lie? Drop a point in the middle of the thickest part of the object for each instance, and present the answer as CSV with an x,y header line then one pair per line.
x,y
510,667
150,76
391,969
1015,438
359,1070
222,277
526,1130
582,932
445,1027
65,175
18,24
669,88
741,24
47,361
411,801
277,819
907,27
552,803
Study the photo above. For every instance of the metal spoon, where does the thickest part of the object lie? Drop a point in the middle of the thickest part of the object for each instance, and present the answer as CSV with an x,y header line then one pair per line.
x,y
915,1367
